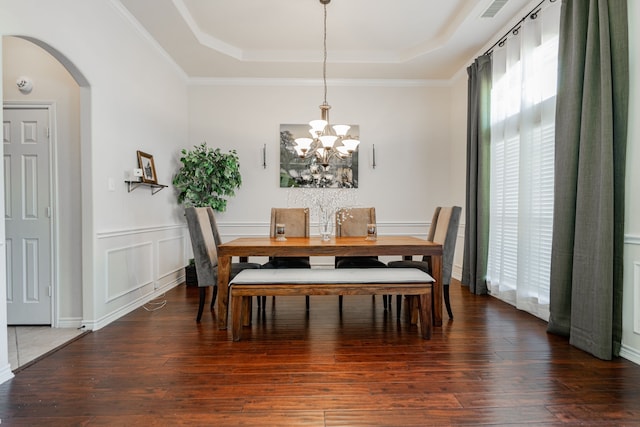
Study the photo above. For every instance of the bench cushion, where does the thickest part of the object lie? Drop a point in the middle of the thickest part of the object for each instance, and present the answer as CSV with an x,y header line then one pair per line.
x,y
343,275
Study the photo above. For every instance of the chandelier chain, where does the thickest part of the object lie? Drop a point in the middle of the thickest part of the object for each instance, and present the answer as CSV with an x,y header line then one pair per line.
x,y
324,60
328,144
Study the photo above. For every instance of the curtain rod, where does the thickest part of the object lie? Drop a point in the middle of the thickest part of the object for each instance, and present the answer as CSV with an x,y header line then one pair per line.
x,y
533,11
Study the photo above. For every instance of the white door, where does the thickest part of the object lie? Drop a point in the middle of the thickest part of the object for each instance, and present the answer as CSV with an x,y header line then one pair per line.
x,y
27,215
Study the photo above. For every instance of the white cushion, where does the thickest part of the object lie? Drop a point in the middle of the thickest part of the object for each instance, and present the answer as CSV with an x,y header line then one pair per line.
x,y
341,275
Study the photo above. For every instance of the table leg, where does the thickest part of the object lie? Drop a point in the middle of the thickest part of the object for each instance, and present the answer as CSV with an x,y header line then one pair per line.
x,y
224,271
436,270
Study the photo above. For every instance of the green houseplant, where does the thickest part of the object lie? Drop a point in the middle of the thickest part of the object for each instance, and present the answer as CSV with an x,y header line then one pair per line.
x,y
206,178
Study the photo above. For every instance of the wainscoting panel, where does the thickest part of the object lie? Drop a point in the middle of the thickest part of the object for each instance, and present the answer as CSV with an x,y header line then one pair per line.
x,y
171,256
135,266
636,297
128,269
631,299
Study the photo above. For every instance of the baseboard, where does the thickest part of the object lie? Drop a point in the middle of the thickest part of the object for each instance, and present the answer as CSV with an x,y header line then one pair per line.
x,y
5,373
70,322
94,325
630,354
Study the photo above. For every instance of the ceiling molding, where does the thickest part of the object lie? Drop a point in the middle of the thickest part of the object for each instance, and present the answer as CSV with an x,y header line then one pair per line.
x,y
427,39
468,11
140,29
204,38
282,82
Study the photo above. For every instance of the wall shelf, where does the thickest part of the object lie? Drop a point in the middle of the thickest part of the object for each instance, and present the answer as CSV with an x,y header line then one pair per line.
x,y
132,185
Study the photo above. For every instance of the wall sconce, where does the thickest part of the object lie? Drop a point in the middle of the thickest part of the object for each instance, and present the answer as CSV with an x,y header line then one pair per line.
x,y
25,85
264,156
373,155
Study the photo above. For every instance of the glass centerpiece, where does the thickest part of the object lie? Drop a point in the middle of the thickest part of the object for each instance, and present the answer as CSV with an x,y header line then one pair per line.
x,y
323,204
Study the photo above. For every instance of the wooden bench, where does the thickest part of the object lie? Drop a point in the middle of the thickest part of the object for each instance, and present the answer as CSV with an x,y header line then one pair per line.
x,y
347,281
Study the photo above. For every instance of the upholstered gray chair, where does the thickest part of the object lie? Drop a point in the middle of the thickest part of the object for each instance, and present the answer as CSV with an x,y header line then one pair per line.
x,y
353,222
296,224
443,230
205,239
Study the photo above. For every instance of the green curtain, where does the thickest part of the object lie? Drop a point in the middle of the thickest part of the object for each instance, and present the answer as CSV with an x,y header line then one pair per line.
x,y
476,236
591,136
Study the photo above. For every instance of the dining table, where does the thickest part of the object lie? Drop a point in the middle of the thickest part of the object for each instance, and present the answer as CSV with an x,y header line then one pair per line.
x,y
404,246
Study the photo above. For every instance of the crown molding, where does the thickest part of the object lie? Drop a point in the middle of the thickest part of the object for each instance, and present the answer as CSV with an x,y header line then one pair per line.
x,y
240,81
124,12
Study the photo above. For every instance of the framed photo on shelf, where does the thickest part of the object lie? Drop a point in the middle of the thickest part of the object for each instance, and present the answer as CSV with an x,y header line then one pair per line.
x,y
145,162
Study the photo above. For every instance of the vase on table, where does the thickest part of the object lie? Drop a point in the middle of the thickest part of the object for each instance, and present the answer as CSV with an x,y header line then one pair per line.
x,y
326,225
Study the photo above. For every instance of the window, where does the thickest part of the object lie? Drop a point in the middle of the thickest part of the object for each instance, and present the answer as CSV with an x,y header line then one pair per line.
x,y
523,99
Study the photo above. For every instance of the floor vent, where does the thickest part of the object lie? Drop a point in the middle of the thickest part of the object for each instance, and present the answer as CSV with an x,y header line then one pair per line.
x,y
494,8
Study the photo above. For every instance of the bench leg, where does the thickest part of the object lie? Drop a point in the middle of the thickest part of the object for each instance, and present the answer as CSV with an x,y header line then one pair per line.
x,y
236,317
415,315
424,308
246,311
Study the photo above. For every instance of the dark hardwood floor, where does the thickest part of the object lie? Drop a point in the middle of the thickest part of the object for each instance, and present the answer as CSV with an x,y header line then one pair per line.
x,y
491,365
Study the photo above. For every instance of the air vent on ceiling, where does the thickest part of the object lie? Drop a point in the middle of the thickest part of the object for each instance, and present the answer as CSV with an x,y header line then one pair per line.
x,y
494,8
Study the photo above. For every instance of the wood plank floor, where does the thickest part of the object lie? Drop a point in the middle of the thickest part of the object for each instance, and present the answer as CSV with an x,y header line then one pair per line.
x,y
491,365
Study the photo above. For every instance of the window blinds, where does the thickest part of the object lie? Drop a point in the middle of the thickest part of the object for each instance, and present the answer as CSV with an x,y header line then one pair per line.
x,y
522,163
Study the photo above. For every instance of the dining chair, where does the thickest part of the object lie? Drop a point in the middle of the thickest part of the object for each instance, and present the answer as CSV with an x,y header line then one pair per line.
x,y
296,224
353,222
205,239
443,230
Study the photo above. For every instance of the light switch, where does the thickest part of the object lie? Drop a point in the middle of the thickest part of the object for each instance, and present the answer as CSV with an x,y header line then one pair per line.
x,y
111,185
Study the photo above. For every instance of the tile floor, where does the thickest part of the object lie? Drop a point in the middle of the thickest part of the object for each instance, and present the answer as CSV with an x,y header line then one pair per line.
x,y
28,343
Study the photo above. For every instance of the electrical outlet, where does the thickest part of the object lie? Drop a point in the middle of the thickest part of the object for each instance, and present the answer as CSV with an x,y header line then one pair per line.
x,y
155,286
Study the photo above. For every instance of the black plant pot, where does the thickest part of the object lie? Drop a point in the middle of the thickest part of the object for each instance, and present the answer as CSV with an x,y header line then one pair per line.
x,y
190,275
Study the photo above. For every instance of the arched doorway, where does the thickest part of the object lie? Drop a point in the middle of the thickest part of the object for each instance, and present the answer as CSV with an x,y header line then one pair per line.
x,y
63,88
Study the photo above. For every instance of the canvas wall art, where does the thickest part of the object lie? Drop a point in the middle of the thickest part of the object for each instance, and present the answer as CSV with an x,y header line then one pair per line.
x,y
308,172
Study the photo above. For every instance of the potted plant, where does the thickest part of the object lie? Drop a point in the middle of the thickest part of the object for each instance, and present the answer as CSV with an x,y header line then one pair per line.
x,y
207,177
190,273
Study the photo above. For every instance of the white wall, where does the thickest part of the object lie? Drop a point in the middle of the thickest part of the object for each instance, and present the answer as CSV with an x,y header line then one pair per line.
x,y
131,98
408,123
458,164
631,292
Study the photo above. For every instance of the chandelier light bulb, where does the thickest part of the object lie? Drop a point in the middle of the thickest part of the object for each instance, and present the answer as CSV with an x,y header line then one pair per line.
x,y
341,130
318,126
350,144
328,140
344,152
304,143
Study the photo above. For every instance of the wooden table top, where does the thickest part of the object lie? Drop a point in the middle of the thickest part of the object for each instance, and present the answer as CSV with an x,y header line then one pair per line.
x,y
315,246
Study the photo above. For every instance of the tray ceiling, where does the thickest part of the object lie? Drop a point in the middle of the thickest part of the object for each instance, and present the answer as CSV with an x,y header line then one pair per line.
x,y
366,39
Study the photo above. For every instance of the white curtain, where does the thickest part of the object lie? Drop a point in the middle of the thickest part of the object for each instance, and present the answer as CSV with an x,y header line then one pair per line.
x,y
522,154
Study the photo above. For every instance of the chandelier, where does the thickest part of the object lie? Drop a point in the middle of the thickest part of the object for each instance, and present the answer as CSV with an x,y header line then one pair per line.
x,y
326,141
